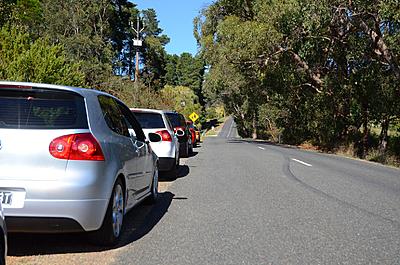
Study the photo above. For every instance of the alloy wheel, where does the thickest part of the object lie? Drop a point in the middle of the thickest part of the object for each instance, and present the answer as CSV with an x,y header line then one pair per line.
x,y
117,210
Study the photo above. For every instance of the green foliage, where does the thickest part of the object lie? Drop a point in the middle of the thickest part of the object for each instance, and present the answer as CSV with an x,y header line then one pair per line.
x,y
85,30
154,56
38,61
6,7
315,71
135,95
184,99
154,70
171,76
186,70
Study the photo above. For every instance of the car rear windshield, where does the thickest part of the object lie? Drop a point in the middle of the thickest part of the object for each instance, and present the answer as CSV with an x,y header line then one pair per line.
x,y
176,120
37,108
149,120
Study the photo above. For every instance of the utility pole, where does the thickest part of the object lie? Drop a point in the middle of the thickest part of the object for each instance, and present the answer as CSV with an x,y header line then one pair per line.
x,y
137,44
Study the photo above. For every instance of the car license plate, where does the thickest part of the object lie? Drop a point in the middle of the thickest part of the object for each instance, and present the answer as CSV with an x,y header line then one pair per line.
x,y
12,198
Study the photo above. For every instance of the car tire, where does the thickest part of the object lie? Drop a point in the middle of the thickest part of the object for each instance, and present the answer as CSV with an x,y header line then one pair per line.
x,y
185,150
110,231
152,199
172,174
2,250
190,149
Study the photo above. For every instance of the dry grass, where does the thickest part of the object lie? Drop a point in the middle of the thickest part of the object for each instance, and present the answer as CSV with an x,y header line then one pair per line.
x,y
386,159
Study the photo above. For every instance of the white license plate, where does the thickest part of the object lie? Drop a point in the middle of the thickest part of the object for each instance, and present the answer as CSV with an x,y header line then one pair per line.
x,y
12,199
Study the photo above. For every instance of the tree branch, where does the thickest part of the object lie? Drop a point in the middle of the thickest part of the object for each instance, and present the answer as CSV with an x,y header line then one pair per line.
x,y
381,46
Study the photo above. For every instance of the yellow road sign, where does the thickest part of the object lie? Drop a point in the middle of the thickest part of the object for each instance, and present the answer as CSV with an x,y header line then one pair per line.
x,y
194,116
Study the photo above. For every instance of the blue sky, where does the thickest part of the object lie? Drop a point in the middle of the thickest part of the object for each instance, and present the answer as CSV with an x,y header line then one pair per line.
x,y
176,19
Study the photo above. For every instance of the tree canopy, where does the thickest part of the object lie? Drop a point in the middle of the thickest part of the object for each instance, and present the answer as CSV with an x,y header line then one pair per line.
x,y
319,71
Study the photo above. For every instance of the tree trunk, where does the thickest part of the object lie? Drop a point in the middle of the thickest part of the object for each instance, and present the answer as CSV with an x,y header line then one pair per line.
x,y
383,50
254,125
364,148
316,78
384,135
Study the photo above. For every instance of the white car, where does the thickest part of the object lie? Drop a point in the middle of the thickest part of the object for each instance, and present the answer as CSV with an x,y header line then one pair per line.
x,y
167,150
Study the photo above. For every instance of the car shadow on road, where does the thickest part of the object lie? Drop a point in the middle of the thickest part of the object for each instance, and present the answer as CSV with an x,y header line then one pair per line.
x,y
193,154
183,171
137,223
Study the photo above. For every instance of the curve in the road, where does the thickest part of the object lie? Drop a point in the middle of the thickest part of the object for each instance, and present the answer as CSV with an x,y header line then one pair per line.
x,y
288,173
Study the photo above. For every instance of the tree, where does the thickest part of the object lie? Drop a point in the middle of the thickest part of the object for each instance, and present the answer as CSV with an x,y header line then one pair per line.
x,y
171,75
327,66
153,54
190,72
38,61
184,99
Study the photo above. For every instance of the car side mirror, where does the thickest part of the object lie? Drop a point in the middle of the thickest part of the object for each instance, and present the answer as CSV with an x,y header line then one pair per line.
x,y
154,137
180,133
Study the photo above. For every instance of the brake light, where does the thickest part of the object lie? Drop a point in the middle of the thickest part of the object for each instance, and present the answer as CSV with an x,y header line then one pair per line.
x,y
179,128
165,135
82,146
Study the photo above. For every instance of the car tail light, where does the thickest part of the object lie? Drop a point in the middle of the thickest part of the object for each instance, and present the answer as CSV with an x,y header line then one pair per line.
x,y
183,129
180,128
165,135
82,146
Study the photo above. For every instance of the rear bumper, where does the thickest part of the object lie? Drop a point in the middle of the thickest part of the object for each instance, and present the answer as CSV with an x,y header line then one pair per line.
x,y
164,149
56,216
42,225
80,193
166,163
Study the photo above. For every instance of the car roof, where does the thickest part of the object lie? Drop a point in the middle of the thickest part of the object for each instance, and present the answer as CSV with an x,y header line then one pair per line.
x,y
82,91
171,112
147,110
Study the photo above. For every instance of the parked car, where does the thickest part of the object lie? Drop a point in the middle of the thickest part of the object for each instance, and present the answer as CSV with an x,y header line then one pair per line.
x,y
167,150
71,160
179,123
198,134
3,237
192,132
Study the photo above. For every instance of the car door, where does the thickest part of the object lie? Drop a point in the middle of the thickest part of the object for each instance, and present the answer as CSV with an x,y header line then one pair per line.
x,y
123,147
145,156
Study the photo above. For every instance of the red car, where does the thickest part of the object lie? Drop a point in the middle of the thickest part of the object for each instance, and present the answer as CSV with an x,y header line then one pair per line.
x,y
193,133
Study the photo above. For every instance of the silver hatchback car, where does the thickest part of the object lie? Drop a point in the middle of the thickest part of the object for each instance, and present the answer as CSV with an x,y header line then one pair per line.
x,y
71,160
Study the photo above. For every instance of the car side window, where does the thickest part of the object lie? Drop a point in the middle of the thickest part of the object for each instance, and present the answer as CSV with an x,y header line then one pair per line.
x,y
113,115
170,124
133,123
181,120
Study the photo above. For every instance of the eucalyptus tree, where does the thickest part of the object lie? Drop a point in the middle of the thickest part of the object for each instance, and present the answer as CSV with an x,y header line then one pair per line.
x,y
314,60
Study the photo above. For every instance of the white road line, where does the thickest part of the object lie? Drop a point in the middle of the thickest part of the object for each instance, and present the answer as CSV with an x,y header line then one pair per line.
x,y
301,162
262,148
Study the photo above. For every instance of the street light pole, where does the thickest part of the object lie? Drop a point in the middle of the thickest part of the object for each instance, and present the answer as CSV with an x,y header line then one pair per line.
x,y
137,43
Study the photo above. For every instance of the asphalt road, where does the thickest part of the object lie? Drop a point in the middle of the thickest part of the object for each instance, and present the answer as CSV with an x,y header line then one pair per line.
x,y
256,203
244,202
